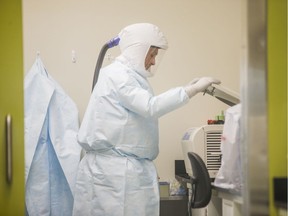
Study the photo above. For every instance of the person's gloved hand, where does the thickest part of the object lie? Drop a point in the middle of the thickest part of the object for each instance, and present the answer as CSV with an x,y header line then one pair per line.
x,y
200,85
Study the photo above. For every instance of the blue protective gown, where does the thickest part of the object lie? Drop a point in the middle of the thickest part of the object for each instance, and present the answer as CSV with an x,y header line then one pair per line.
x,y
52,153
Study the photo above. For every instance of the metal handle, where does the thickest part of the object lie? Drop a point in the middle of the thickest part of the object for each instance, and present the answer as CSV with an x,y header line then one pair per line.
x,y
8,128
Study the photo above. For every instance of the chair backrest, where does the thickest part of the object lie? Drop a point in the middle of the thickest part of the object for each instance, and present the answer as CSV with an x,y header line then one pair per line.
x,y
201,180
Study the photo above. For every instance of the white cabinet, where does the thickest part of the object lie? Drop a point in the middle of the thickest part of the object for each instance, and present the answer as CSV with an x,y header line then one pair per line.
x,y
230,202
230,208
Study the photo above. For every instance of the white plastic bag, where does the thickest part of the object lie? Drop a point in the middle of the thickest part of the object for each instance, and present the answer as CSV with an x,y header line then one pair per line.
x,y
230,173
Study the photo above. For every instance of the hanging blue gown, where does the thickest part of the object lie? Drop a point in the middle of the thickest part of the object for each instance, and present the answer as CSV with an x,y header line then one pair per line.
x,y
52,153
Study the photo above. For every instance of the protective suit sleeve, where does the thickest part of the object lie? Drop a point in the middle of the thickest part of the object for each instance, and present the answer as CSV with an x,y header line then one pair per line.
x,y
144,103
199,85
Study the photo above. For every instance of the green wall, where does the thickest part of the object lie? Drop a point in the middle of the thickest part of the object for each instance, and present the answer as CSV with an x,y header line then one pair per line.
x,y
11,102
277,92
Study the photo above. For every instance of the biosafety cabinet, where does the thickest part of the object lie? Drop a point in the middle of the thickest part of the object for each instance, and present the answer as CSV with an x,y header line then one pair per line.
x,y
205,141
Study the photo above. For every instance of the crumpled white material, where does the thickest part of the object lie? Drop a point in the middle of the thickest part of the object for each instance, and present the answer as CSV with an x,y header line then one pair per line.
x,y
229,175
52,153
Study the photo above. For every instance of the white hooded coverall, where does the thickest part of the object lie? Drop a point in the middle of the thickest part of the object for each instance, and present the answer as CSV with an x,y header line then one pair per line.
x,y
119,132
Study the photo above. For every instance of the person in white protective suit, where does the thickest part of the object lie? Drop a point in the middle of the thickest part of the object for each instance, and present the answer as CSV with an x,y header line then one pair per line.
x,y
119,130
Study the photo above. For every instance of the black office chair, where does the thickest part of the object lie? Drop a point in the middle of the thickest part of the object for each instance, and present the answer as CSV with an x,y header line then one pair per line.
x,y
200,183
